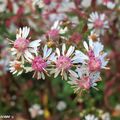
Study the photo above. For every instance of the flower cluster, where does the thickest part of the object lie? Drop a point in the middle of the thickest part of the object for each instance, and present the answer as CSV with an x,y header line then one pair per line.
x,y
83,69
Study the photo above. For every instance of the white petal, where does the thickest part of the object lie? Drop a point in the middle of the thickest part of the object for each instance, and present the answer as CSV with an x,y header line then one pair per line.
x,y
98,47
70,51
28,54
85,45
56,73
35,43
56,24
43,76
48,52
25,32
52,57
58,51
63,49
65,76
73,73
45,51
90,43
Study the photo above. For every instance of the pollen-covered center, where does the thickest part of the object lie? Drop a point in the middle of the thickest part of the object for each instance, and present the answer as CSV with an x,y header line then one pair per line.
x,y
53,33
63,63
84,82
94,64
98,23
17,66
39,64
93,37
21,44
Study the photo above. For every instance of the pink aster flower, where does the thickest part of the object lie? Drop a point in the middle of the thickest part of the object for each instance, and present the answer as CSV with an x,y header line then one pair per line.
x,y
22,47
56,30
53,33
97,22
84,79
41,63
57,26
64,62
76,38
95,58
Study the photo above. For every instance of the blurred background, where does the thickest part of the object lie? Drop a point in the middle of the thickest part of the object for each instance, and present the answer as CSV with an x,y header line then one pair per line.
x,y
25,98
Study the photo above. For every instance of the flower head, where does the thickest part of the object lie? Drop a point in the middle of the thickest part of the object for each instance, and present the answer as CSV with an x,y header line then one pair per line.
x,y
97,22
35,111
84,78
16,67
95,58
76,38
22,47
61,105
64,61
40,64
93,36
90,117
109,3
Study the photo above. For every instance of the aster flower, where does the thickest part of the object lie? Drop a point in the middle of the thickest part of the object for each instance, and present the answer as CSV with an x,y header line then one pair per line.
x,y
61,105
93,36
3,5
86,3
90,117
16,67
84,79
97,22
108,3
106,116
64,62
95,57
22,47
35,111
39,3
56,29
66,6
39,64
76,38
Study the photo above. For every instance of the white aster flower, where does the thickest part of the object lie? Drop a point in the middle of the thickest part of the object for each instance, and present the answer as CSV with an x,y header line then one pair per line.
x,y
97,22
57,26
41,63
57,16
95,57
39,3
64,62
84,79
108,3
90,117
111,5
66,6
3,5
93,36
16,67
23,48
35,111
86,3
106,116
61,105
